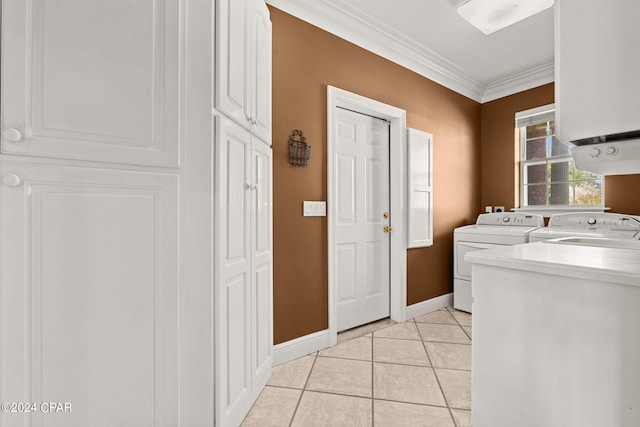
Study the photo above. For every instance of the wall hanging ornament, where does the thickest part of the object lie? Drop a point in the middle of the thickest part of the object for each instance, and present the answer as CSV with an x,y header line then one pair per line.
x,y
299,150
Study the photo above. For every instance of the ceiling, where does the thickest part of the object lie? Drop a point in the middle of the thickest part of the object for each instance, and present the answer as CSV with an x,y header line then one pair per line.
x,y
430,38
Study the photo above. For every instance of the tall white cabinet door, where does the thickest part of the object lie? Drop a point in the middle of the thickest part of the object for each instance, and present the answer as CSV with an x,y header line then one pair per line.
x,y
90,295
233,273
232,60
244,331
92,80
260,84
262,272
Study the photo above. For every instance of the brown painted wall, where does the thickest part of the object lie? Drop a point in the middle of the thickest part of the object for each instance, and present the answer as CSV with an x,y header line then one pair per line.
x,y
499,155
306,60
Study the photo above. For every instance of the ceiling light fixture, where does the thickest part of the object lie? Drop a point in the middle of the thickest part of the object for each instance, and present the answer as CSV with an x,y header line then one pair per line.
x,y
490,16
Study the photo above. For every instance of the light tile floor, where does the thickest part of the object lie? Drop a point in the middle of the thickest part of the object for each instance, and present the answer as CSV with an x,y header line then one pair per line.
x,y
416,373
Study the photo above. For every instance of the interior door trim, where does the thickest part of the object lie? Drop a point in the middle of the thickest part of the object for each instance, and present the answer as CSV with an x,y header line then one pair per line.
x,y
398,267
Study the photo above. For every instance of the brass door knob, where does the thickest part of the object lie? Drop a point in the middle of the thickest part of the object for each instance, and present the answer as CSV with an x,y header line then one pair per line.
x,y
387,229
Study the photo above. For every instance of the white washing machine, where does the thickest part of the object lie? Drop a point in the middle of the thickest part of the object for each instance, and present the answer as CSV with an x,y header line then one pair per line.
x,y
586,224
489,231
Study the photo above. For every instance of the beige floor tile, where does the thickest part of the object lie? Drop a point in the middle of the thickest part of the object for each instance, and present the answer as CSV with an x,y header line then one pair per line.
x,y
443,333
357,348
274,408
321,409
364,330
396,414
467,329
441,316
462,417
341,376
407,352
456,386
462,317
292,374
406,331
451,356
412,384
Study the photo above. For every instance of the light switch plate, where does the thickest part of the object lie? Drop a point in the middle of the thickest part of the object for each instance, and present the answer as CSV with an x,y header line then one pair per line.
x,y
310,208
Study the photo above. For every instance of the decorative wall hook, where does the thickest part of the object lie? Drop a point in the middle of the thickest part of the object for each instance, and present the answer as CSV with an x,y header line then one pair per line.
x,y
299,150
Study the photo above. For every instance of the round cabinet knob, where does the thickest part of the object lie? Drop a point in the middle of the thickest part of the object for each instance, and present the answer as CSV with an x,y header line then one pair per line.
x,y
506,219
12,135
591,221
11,180
595,152
611,150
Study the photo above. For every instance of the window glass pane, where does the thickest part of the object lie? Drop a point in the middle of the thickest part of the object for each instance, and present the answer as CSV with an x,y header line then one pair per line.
x,y
537,174
536,131
536,194
559,194
558,148
587,192
536,148
559,171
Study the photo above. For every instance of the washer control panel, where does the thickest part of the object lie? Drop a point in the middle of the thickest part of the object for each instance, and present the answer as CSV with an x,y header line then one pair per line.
x,y
596,221
511,219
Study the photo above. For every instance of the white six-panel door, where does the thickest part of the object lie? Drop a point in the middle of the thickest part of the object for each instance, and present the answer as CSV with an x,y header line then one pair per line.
x,y
362,200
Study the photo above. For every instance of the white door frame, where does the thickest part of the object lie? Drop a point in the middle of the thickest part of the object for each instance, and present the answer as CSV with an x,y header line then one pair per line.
x,y
398,278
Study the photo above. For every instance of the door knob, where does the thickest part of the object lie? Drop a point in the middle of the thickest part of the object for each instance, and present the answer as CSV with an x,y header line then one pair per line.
x,y
385,215
11,180
12,135
387,229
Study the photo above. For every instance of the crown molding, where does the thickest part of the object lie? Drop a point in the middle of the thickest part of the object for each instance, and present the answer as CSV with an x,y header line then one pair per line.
x,y
519,82
381,39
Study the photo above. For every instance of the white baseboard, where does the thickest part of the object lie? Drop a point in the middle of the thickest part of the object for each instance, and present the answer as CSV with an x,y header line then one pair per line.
x,y
429,305
290,350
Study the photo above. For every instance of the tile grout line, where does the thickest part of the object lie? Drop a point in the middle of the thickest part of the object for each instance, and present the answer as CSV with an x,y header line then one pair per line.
x,y
433,369
304,388
373,401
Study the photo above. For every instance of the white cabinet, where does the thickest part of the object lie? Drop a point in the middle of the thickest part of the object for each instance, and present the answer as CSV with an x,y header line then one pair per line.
x,y
90,294
243,64
597,90
243,270
92,81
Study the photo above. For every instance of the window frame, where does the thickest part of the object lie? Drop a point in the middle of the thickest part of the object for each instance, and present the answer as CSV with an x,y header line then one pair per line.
x,y
545,112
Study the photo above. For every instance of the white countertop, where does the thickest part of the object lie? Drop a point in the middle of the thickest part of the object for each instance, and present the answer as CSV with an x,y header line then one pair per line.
x,y
613,265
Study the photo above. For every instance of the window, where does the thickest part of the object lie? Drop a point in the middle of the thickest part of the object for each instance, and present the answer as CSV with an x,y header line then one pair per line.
x,y
547,174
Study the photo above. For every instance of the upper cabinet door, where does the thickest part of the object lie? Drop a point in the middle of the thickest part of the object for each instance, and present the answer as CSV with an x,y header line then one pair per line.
x,y
260,82
92,81
243,65
232,69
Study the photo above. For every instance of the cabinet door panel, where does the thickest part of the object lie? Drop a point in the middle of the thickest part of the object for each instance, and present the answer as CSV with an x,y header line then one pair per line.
x,y
92,80
90,294
233,273
232,97
261,249
261,71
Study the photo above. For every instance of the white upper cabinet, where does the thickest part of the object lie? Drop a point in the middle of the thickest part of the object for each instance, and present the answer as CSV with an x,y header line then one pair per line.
x,y
243,64
597,68
92,80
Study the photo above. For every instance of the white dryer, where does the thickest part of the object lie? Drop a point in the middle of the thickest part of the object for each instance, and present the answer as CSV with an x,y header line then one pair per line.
x,y
489,231
586,224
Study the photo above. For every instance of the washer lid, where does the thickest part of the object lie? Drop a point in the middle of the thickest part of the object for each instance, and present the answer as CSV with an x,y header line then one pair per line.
x,y
495,230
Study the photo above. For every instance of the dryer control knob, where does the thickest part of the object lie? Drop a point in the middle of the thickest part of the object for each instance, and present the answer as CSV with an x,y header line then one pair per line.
x,y
506,219
595,152
591,221
611,150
